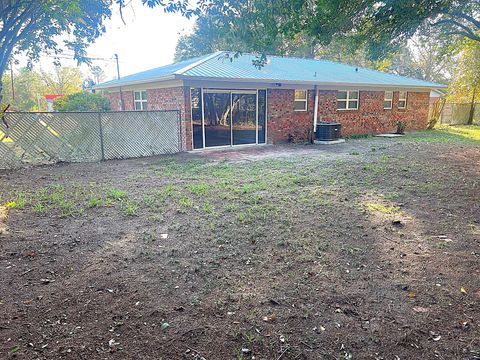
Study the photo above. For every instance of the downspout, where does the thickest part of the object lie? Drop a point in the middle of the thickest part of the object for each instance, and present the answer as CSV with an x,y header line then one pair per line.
x,y
315,111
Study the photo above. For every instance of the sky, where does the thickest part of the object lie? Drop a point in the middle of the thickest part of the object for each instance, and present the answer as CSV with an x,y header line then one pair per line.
x,y
146,41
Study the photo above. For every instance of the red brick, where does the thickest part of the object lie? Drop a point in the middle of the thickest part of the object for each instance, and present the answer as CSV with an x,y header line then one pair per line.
x,y
285,124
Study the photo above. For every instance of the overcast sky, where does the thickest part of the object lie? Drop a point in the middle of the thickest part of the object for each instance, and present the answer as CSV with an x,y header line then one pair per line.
x,y
146,41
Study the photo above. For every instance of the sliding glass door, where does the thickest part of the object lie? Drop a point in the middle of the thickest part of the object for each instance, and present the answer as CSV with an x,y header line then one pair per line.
x,y
228,117
244,118
216,119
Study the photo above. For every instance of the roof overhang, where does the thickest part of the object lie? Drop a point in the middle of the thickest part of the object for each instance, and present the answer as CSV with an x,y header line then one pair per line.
x,y
272,83
276,83
117,84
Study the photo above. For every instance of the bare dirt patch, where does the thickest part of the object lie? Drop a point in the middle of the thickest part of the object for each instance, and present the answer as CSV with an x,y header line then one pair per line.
x,y
367,250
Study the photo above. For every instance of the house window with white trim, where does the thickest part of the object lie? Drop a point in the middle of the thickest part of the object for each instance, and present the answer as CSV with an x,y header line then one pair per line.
x,y
402,100
347,100
388,100
300,100
140,100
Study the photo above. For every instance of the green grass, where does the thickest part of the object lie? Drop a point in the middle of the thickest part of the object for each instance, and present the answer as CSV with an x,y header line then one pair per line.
x,y
94,201
389,210
445,133
117,194
129,208
199,189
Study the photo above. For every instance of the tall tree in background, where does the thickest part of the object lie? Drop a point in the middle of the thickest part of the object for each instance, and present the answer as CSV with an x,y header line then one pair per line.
x,y
62,81
429,56
32,86
381,27
98,74
32,27
465,85
29,91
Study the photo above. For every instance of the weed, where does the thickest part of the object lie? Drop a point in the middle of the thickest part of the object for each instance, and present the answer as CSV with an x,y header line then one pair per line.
x,y
242,217
383,209
208,208
199,189
353,152
68,208
19,202
129,208
116,194
94,201
186,202
39,208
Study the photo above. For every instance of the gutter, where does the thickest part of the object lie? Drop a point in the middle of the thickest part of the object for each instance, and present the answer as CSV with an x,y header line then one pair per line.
x,y
279,83
134,82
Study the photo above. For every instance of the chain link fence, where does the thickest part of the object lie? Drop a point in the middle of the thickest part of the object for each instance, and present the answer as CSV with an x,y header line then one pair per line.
x,y
46,138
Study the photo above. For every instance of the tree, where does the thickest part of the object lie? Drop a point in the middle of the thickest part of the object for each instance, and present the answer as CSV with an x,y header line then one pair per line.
x,y
29,91
465,85
33,27
98,74
429,56
381,27
82,101
63,81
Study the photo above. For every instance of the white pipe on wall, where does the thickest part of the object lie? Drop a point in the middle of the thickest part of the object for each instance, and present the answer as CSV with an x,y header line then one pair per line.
x,y
315,111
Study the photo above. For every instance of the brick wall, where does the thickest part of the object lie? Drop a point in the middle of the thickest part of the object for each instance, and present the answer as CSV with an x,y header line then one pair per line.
x,y
370,118
285,124
114,98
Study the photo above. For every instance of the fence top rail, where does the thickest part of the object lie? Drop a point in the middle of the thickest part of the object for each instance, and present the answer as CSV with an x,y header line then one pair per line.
x,y
90,112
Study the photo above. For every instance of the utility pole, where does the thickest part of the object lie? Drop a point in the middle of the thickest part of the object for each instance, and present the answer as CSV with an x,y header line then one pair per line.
x,y
12,81
122,107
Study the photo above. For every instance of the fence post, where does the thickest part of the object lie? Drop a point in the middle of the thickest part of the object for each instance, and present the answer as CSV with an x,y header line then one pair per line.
x,y
100,129
180,131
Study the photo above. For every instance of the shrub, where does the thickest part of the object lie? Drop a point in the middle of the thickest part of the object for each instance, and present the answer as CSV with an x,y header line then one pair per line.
x,y
82,101
401,126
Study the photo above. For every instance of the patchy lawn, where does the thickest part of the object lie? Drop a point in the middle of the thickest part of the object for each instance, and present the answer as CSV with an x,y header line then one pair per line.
x,y
366,250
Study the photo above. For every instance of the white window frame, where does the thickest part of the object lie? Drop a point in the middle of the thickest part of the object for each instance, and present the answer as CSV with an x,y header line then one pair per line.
x,y
301,100
141,101
388,99
404,99
347,100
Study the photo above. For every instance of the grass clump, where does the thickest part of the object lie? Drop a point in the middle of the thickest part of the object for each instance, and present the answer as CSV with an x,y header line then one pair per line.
x,y
117,194
94,201
384,209
199,189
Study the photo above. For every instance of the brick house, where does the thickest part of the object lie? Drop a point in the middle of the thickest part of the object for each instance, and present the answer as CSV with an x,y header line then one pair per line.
x,y
224,102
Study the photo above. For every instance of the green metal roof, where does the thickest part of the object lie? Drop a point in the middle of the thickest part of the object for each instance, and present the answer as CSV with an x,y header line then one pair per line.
x,y
278,69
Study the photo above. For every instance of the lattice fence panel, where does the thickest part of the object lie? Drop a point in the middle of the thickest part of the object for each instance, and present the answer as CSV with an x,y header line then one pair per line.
x,y
42,138
145,134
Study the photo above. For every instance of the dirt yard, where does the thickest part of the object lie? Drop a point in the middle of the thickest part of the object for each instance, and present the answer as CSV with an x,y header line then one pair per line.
x,y
365,250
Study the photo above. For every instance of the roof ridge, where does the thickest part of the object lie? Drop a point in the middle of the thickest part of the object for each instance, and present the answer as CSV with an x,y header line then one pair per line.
x,y
196,63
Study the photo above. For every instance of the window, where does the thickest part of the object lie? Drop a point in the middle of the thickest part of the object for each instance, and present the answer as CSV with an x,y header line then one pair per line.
x,y
388,100
300,100
347,100
140,100
402,100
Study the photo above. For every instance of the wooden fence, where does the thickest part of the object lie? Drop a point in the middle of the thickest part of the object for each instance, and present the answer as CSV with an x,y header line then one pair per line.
x,y
458,114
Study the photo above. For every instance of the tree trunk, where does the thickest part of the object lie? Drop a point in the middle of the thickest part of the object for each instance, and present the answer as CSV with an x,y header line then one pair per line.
x,y
472,108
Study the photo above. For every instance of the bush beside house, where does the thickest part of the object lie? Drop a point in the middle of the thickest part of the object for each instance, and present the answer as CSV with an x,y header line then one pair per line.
x,y
82,101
